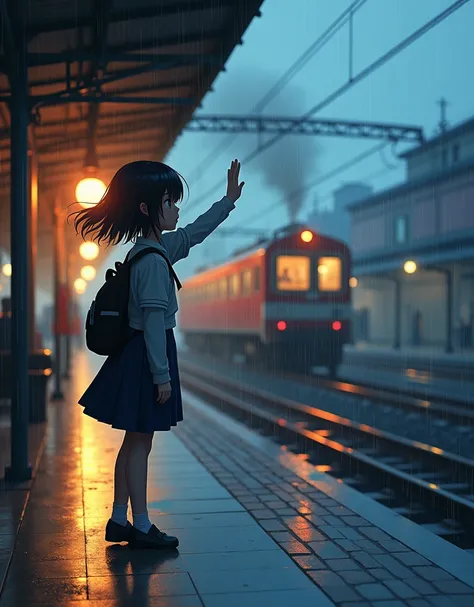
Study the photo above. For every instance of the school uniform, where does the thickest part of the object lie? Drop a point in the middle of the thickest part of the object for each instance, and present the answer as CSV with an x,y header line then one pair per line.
x,y
124,392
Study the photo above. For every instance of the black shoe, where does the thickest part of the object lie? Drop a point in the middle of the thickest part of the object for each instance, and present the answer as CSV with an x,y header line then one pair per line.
x,y
153,539
114,532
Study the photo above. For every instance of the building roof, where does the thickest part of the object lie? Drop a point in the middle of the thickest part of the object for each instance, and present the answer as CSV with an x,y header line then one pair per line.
x,y
168,52
408,186
449,135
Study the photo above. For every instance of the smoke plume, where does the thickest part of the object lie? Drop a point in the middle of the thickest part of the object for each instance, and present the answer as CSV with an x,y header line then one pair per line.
x,y
291,161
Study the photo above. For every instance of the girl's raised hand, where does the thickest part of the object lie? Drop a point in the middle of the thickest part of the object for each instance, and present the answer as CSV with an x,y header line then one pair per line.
x,y
234,188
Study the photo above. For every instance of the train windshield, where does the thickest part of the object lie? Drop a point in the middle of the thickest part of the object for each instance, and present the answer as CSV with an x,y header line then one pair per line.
x,y
329,274
293,273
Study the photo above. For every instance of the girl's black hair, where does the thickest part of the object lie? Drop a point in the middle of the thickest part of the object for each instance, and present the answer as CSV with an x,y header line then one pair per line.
x,y
117,217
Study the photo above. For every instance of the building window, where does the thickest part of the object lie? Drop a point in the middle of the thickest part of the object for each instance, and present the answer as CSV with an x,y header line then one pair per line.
x,y
455,152
444,158
401,229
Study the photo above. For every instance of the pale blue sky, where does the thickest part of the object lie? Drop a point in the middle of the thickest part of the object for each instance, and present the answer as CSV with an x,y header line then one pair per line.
x,y
405,90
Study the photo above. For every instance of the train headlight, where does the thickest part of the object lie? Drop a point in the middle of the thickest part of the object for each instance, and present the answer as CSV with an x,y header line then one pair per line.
x,y
306,236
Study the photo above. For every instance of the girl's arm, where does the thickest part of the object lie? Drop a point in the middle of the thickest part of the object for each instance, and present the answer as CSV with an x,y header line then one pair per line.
x,y
178,243
155,339
153,278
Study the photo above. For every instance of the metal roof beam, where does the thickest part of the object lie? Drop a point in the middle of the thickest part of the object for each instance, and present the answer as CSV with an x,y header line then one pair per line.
x,y
146,115
135,89
135,71
280,124
45,100
129,14
44,59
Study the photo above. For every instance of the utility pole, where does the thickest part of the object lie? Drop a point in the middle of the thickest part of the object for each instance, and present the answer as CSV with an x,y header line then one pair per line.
x,y
443,123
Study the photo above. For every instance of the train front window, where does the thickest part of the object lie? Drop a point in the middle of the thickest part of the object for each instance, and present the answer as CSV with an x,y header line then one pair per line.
x,y
293,273
329,274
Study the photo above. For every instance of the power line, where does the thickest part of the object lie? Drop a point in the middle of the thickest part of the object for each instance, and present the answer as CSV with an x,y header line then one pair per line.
x,y
395,50
319,43
329,175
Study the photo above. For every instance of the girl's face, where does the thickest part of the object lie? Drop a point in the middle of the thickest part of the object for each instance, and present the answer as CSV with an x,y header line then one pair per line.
x,y
170,215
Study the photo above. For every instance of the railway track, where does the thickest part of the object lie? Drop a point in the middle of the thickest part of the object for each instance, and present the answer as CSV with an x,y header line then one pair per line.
x,y
422,482
454,410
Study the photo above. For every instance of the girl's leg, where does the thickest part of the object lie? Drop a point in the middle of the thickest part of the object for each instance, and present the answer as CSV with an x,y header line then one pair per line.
x,y
121,493
136,471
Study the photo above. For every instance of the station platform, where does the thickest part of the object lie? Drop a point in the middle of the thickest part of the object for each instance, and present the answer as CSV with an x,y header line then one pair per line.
x,y
423,370
257,525
429,357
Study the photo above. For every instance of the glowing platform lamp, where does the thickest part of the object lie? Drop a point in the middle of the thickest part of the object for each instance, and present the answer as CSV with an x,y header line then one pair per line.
x,y
88,273
89,191
80,285
410,267
7,269
89,250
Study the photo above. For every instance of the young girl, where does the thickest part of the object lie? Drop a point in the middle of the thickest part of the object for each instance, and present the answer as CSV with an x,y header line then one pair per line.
x,y
138,389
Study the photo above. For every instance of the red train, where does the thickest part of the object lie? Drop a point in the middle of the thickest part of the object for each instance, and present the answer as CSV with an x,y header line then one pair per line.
x,y
288,300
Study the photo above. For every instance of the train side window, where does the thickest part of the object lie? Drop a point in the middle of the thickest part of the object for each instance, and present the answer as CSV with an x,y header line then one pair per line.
x,y
223,288
293,273
234,285
256,279
246,282
329,274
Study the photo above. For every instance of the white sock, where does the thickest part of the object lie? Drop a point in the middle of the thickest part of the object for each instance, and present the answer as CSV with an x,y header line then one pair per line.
x,y
142,522
119,514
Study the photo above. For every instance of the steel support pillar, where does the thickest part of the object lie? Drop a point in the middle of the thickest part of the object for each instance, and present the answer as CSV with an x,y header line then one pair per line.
x,y
33,234
58,352
20,470
67,345
398,314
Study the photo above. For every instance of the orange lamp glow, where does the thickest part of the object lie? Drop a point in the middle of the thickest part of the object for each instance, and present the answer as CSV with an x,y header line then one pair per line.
x,y
80,285
89,250
281,325
306,236
89,191
353,282
88,273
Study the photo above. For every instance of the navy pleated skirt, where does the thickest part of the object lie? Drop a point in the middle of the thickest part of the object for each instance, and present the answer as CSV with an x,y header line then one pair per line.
x,y
123,394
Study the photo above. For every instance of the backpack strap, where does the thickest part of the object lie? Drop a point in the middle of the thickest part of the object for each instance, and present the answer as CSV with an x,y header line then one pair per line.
x,y
148,251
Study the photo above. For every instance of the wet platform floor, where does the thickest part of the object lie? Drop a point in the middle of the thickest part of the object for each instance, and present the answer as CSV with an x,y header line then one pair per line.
x,y
257,526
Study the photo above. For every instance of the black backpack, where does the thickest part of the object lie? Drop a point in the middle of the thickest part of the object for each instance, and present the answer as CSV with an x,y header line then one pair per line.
x,y
107,328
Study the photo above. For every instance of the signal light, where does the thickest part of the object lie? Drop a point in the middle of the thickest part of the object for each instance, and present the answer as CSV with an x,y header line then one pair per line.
x,y
337,325
306,236
281,325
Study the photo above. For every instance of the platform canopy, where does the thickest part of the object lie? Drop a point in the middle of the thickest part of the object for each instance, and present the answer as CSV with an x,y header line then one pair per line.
x,y
112,79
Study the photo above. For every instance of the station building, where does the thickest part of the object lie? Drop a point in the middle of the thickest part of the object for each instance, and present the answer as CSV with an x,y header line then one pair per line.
x,y
427,220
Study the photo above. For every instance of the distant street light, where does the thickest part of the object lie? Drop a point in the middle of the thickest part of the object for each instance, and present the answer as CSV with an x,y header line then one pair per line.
x,y
88,273
410,267
89,191
353,282
7,269
89,250
80,285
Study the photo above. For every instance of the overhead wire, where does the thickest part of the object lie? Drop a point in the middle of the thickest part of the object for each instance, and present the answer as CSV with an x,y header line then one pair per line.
x,y
390,54
302,60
